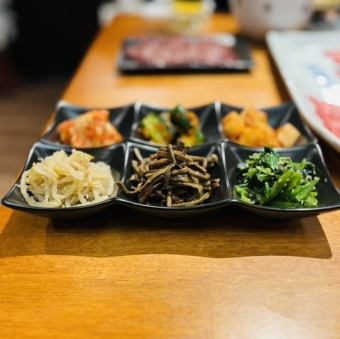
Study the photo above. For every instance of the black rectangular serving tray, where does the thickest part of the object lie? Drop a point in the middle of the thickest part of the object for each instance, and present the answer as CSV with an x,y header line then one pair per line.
x,y
241,47
230,155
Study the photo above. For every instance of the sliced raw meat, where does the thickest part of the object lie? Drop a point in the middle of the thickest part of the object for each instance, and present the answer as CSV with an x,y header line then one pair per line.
x,y
177,51
329,114
334,55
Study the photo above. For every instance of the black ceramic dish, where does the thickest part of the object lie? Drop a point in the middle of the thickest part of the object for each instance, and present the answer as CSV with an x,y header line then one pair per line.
x,y
208,115
242,49
328,195
114,156
121,117
217,200
230,155
277,116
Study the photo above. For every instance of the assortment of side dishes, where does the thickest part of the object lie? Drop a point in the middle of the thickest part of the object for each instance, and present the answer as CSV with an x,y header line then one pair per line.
x,y
170,175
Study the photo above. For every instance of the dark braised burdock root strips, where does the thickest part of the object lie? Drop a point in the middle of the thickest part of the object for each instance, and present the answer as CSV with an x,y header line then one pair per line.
x,y
171,178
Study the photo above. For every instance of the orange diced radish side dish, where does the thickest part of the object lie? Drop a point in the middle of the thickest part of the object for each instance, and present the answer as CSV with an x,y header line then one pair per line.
x,y
91,129
251,128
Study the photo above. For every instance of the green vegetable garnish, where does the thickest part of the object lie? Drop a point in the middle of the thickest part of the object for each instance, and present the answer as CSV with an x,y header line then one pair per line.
x,y
177,125
179,117
157,128
273,180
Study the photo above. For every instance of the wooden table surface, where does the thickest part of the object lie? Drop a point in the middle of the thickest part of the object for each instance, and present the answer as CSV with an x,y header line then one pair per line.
x,y
121,274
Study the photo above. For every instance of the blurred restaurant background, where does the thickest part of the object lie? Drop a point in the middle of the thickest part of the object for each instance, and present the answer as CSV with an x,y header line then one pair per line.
x,y
42,43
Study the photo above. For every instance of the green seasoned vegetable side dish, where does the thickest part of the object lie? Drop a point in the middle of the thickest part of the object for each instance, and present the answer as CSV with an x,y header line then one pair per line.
x,y
177,125
158,128
277,181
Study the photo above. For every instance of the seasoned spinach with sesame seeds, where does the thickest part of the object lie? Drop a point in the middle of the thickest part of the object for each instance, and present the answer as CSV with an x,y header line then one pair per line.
x,y
270,179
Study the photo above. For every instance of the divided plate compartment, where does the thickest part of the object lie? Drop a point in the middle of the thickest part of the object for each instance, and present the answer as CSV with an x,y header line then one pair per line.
x,y
277,116
113,156
119,157
208,115
328,194
240,46
219,197
121,117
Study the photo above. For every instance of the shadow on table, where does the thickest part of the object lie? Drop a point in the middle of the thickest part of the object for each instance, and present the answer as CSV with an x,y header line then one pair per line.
x,y
121,232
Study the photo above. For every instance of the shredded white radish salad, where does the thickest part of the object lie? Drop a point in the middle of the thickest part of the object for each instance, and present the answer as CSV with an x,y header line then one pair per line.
x,y
62,180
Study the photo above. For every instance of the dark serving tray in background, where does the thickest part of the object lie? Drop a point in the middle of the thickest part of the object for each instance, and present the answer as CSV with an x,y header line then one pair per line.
x,y
240,47
230,155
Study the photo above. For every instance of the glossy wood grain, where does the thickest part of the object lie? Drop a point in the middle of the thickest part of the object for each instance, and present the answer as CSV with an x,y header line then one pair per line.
x,y
124,275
